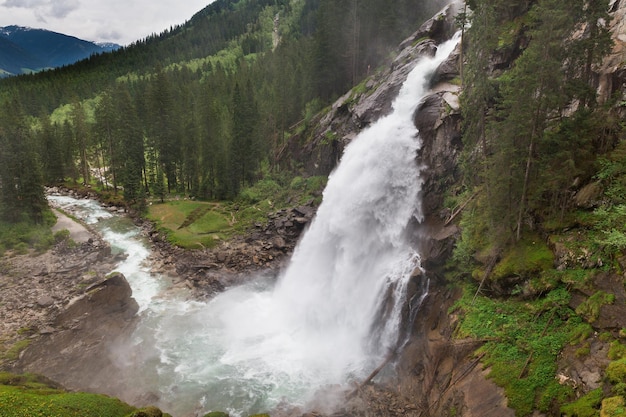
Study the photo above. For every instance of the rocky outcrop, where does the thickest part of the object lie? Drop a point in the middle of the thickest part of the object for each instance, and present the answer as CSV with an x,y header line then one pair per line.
x,y
612,72
63,310
263,249
36,287
321,145
73,349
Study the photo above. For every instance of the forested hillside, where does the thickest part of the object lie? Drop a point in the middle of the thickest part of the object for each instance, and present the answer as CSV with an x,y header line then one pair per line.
x,y
200,109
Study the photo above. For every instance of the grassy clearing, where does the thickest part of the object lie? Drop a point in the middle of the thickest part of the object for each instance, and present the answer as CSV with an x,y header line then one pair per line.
x,y
198,224
192,224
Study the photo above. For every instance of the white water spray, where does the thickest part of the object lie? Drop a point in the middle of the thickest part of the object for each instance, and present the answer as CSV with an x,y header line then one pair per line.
x,y
331,317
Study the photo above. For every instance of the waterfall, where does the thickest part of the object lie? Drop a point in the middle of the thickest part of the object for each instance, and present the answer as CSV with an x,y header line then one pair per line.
x,y
354,262
331,317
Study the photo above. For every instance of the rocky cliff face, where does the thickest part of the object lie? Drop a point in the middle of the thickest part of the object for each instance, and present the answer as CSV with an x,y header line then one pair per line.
x,y
612,72
321,145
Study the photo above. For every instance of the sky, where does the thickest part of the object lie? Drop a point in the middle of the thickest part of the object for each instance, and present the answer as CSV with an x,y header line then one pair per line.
x,y
118,21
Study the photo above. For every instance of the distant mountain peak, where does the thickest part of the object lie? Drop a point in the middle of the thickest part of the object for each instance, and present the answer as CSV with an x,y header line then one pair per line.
x,y
25,49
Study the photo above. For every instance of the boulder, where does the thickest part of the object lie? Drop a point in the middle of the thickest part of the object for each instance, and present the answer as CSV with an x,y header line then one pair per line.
x,y
45,301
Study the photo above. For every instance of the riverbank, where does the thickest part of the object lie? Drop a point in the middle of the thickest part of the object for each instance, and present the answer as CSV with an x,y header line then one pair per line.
x,y
73,340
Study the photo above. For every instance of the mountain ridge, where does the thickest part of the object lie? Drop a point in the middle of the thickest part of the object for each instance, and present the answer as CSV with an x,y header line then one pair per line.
x,y
25,50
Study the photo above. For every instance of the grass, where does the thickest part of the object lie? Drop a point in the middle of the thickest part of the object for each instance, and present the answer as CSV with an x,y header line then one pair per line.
x,y
198,224
32,396
192,224
522,342
26,235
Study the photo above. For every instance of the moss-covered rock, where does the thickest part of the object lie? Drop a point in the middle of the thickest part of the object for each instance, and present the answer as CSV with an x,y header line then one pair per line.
x,y
147,412
613,407
585,406
616,371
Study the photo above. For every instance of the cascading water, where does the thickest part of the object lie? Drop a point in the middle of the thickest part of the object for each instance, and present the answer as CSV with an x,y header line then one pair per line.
x,y
332,315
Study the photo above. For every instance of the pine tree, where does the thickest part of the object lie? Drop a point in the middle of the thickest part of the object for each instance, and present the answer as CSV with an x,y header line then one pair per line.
x,y
51,152
81,139
21,183
131,152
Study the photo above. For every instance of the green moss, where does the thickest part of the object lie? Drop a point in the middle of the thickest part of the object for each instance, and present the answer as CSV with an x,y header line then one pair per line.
x,y
216,414
620,389
13,353
580,333
613,407
616,371
147,412
522,344
590,308
616,350
528,257
605,337
583,351
30,395
18,401
586,406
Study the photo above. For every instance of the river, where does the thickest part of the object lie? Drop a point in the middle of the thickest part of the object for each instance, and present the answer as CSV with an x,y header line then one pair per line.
x,y
328,320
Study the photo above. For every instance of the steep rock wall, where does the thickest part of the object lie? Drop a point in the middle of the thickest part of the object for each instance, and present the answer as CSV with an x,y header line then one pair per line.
x,y
612,72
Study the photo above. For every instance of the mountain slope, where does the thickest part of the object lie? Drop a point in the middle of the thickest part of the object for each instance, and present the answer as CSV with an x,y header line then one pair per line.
x,y
24,49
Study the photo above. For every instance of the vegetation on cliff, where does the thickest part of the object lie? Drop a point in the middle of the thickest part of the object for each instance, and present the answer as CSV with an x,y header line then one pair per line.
x,y
542,244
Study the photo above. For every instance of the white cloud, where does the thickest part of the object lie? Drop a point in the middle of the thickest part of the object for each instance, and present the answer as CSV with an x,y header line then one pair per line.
x,y
61,8
27,4
121,21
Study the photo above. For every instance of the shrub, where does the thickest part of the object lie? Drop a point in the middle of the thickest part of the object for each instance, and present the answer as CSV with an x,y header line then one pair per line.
x,y
61,235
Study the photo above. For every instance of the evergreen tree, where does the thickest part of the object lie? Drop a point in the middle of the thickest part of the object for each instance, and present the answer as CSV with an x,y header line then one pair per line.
x,y
81,139
164,127
131,152
108,138
51,152
21,183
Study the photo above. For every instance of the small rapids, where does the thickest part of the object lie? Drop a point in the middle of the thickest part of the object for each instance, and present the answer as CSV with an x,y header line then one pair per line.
x,y
330,318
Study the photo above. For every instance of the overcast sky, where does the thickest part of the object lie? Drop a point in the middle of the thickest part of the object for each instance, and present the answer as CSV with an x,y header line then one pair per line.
x,y
119,21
